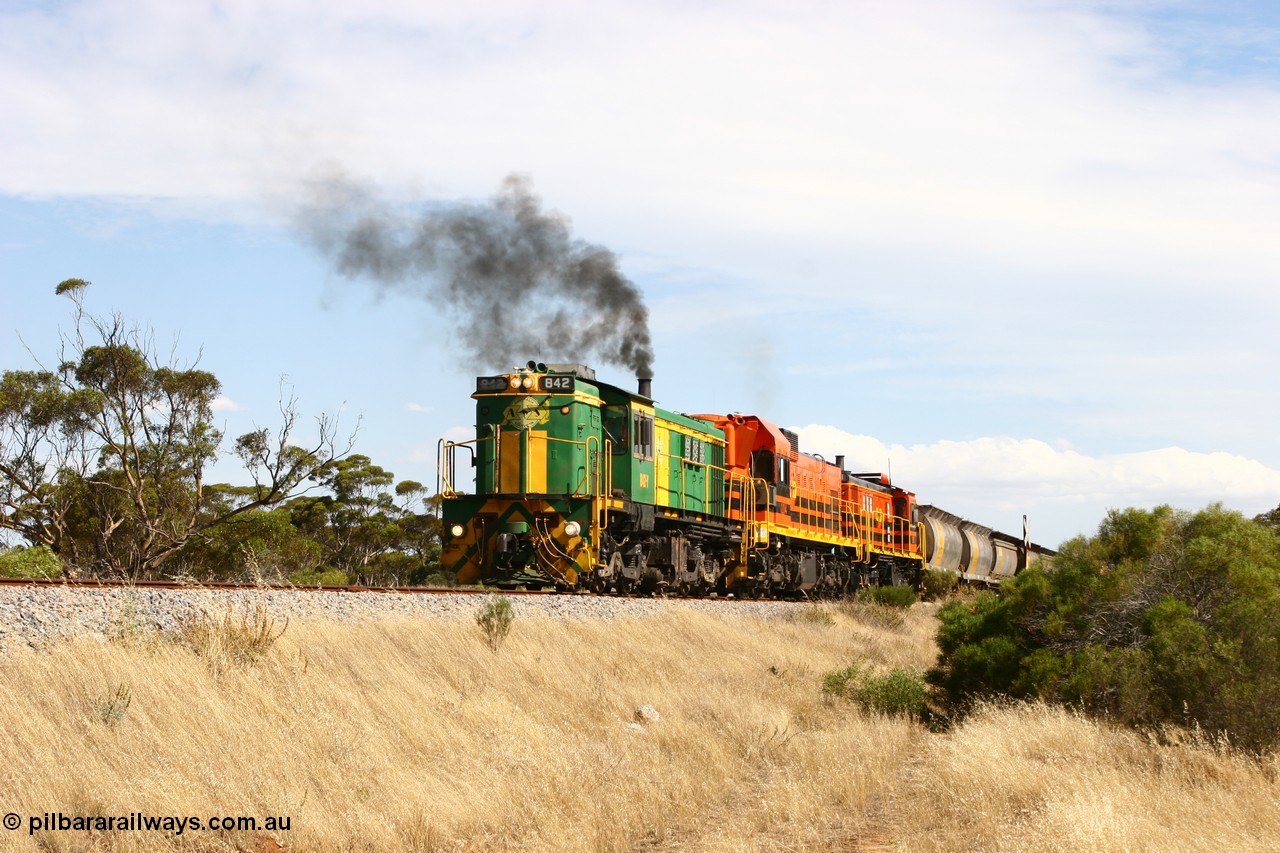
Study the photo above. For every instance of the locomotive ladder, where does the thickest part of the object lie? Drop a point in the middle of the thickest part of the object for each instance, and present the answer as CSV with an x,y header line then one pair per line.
x,y
601,478
750,526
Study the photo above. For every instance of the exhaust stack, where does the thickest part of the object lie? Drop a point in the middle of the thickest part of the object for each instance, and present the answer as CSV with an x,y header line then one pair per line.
x,y
646,387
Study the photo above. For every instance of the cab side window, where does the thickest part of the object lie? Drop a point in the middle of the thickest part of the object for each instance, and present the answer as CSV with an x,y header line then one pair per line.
x,y
642,435
615,429
762,465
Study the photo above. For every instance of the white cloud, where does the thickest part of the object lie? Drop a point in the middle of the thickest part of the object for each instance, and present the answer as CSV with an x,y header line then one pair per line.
x,y
993,480
225,404
460,433
425,454
417,407
1026,201
1023,130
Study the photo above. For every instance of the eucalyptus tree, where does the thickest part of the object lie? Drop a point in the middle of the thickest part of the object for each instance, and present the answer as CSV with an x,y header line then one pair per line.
x,y
374,533
103,456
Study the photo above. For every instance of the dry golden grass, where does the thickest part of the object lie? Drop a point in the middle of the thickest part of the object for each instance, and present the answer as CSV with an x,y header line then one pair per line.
x,y
398,735
1038,778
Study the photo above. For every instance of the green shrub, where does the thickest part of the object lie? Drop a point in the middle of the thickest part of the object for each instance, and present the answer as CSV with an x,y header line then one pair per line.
x,y
891,596
112,707
1162,618
36,562
128,625
937,585
495,618
896,692
842,683
320,577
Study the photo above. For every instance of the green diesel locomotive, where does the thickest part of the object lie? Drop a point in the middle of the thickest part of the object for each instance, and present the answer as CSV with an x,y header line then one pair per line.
x,y
570,474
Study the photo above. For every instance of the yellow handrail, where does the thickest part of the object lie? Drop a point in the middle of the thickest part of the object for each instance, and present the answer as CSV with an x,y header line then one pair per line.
x,y
446,463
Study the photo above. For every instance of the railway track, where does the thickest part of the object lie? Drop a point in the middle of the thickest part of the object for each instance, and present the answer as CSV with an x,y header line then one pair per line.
x,y
217,586
36,612
115,583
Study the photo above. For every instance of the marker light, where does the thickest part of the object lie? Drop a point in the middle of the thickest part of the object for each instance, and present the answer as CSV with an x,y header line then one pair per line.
x,y
457,530
572,529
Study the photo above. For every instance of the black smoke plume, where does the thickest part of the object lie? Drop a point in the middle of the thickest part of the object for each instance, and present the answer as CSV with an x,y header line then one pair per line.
x,y
514,277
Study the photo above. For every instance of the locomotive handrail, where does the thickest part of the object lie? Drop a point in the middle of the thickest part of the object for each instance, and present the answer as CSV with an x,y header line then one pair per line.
x,y
594,526
496,435
682,462
748,521
829,520
750,525
865,534
446,464
865,531
585,486
442,476
606,485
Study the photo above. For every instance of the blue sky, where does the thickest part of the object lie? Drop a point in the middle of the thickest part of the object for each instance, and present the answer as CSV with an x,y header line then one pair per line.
x,y
1024,253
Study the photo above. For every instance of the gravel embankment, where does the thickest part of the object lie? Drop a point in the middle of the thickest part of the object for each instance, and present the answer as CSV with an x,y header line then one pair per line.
x,y
36,616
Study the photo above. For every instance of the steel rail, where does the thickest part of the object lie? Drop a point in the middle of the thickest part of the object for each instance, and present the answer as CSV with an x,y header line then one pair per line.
x,y
232,586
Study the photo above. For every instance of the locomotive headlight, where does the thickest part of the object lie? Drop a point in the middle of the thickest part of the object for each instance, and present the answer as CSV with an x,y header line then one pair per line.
x,y
457,530
515,381
526,383
573,528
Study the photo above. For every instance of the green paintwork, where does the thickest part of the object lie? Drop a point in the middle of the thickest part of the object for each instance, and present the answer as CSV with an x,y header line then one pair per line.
x,y
568,440
536,455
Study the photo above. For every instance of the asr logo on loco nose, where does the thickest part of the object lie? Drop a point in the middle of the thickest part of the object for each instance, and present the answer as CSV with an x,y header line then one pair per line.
x,y
526,413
